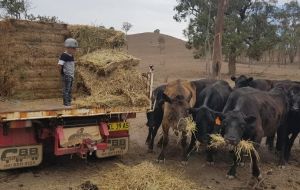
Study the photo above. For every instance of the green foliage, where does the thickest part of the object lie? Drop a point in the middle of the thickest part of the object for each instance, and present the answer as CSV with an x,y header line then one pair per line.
x,y
15,8
126,26
249,26
39,18
289,29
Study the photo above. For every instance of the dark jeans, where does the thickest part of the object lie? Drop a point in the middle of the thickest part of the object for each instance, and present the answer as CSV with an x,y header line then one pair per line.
x,y
67,81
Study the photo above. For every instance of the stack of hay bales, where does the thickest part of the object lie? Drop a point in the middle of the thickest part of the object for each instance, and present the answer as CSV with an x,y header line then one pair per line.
x,y
105,76
28,58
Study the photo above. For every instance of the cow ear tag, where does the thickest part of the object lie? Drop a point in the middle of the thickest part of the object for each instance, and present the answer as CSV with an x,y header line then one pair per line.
x,y
218,121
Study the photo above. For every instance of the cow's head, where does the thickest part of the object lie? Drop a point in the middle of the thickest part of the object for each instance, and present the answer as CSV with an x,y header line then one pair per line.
x,y
294,96
241,81
175,109
178,97
236,125
206,121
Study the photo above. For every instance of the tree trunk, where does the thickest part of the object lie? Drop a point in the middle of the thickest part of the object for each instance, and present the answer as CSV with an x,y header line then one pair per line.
x,y
217,48
231,64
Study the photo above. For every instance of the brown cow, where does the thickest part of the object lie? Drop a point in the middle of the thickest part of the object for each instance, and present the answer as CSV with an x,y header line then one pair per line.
x,y
179,96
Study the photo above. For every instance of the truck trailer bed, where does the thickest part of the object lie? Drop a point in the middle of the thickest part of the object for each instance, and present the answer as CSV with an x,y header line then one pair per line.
x,y
51,108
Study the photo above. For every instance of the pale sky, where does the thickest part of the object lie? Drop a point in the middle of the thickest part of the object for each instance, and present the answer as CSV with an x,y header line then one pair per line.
x,y
144,15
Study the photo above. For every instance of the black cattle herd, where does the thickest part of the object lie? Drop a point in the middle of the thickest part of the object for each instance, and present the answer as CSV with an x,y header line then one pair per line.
x,y
253,109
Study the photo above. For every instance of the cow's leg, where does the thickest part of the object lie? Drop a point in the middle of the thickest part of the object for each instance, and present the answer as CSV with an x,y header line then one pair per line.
x,y
210,155
165,141
149,137
190,149
153,135
183,143
255,169
270,142
232,171
282,139
289,146
160,142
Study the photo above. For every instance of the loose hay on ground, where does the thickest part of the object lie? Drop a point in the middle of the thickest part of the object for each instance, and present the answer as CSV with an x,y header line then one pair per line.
x,y
144,176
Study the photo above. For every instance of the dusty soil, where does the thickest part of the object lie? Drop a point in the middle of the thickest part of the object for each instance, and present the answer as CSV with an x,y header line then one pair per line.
x,y
65,173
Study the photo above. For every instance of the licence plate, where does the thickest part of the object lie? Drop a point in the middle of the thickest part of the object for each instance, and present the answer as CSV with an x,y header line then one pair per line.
x,y
20,157
118,126
116,146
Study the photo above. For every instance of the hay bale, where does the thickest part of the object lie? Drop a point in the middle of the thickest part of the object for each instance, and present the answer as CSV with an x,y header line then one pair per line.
x,y
144,176
91,38
106,61
121,88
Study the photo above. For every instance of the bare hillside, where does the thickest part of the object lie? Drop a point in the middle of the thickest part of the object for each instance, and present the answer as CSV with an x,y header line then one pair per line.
x,y
175,56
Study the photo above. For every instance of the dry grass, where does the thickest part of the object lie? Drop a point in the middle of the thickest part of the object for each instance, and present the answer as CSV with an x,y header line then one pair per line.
x,y
91,38
104,57
190,125
144,176
244,146
217,141
116,84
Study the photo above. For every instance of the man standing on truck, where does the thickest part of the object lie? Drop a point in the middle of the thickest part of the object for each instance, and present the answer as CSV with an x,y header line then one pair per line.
x,y
67,69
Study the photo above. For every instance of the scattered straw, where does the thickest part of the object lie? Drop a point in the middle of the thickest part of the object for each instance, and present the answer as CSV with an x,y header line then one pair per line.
x,y
144,176
244,146
216,141
190,125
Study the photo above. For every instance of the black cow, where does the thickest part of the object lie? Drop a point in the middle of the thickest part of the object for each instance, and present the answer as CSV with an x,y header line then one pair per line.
x,y
244,81
154,118
212,97
290,88
251,114
293,119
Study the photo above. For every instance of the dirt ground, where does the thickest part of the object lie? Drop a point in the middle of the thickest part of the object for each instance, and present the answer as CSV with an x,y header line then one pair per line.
x,y
64,173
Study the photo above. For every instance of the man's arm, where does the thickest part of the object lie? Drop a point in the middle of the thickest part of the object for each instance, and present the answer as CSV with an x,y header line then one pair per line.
x,y
60,69
60,66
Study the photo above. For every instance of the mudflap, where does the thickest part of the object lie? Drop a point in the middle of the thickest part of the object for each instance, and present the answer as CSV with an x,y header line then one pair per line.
x,y
116,146
20,156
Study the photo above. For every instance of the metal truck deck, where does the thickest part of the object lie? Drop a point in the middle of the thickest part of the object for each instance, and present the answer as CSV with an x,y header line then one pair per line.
x,y
53,108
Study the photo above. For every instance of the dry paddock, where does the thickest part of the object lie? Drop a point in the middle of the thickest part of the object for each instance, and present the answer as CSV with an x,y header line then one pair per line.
x,y
65,173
